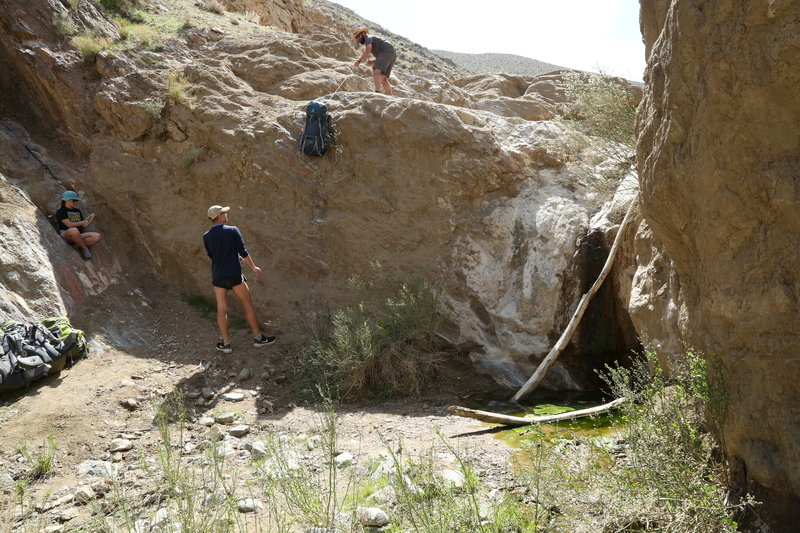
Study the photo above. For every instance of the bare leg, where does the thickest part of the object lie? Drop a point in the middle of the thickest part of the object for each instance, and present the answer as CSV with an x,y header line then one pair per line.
x,y
386,87
91,238
73,236
222,313
242,291
376,76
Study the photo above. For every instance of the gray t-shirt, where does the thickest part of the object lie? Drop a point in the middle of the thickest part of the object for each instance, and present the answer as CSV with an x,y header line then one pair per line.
x,y
378,45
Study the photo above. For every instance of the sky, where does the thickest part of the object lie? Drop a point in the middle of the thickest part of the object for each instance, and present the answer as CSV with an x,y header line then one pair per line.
x,y
593,35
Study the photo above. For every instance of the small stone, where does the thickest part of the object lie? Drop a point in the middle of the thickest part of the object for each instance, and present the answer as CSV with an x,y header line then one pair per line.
x,y
206,421
214,434
268,405
280,379
313,442
240,430
245,374
123,384
233,396
92,468
225,417
130,404
344,459
207,393
120,445
193,395
249,505
217,497
372,516
68,514
453,478
225,449
258,449
160,518
85,495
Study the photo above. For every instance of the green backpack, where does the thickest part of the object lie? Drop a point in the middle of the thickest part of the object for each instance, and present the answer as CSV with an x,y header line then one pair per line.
x,y
61,328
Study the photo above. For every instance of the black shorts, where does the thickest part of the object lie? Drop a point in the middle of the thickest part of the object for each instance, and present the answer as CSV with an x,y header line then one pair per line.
x,y
228,283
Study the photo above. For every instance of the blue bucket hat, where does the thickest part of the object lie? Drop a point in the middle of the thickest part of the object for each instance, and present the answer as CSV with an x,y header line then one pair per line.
x,y
69,195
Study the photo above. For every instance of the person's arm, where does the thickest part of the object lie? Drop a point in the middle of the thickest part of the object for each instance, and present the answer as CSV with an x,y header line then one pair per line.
x,y
244,254
364,56
249,262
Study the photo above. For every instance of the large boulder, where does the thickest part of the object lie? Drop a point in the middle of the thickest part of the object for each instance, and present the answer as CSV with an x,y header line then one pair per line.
x,y
718,156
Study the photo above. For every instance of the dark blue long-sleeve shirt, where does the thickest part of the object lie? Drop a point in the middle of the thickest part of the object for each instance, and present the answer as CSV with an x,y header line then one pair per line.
x,y
225,246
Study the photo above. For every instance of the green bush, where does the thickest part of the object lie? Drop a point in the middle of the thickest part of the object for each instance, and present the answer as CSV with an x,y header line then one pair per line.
x,y
600,139
63,23
386,345
673,475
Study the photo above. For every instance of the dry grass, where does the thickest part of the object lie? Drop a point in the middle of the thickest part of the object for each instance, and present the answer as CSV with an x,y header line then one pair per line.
x,y
213,6
90,45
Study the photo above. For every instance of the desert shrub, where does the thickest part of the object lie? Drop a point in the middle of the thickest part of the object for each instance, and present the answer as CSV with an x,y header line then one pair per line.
x,y
214,6
63,23
385,346
178,88
661,472
90,45
138,35
600,137
122,8
154,106
672,472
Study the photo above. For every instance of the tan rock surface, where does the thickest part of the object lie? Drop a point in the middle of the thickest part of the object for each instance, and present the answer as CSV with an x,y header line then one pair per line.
x,y
718,166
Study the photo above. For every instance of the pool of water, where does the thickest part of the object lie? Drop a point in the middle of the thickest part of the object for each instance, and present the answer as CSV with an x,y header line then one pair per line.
x,y
540,403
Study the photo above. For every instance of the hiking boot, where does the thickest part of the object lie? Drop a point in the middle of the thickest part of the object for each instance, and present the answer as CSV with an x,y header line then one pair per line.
x,y
224,348
263,340
86,254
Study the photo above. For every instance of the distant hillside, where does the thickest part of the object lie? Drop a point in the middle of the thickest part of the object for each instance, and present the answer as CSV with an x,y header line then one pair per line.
x,y
498,63
410,55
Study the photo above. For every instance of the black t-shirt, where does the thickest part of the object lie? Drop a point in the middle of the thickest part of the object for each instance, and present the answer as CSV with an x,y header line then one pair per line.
x,y
73,215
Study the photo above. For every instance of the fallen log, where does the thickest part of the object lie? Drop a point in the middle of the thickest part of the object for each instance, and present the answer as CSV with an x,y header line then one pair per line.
x,y
508,420
562,342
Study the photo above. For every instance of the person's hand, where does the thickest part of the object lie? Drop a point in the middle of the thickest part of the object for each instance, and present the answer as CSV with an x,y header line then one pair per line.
x,y
356,64
257,271
370,63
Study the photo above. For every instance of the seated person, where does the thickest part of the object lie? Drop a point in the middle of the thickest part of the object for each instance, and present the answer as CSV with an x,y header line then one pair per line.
x,y
71,225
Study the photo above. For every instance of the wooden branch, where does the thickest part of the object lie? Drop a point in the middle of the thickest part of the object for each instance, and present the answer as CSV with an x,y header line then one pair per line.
x,y
548,361
508,420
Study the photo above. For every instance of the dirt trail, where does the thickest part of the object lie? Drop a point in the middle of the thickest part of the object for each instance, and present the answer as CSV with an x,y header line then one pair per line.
x,y
146,342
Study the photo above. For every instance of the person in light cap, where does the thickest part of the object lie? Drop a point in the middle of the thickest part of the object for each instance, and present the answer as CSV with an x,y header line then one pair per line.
x,y
225,246
385,57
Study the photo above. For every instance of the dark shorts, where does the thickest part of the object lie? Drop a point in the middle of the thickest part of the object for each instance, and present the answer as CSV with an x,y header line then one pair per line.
x,y
384,62
228,283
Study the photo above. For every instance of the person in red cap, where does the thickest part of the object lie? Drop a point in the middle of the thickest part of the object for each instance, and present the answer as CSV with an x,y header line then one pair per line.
x,y
225,246
71,225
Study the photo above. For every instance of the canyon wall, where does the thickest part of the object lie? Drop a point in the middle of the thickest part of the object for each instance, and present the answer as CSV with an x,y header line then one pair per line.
x,y
719,160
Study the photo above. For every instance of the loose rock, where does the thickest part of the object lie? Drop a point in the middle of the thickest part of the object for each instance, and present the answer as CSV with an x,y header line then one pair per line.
x,y
372,516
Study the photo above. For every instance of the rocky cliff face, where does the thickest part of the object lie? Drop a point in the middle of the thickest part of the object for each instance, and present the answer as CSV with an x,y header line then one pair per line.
x,y
719,172
458,178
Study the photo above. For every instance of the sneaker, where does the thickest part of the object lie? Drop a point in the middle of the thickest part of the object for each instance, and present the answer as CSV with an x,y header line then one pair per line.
x,y
224,348
263,340
86,254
